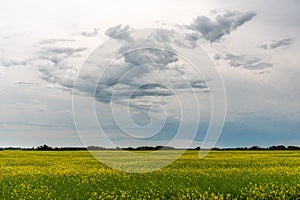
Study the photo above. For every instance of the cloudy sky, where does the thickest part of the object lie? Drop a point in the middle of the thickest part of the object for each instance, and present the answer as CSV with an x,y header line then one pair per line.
x,y
131,73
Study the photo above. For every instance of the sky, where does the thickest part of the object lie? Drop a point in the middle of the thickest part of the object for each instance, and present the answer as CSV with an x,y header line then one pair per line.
x,y
132,73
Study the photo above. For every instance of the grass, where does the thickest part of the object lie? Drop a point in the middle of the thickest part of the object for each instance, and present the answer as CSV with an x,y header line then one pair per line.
x,y
220,175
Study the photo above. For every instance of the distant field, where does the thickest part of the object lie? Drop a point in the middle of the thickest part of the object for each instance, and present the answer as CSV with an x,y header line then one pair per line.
x,y
221,175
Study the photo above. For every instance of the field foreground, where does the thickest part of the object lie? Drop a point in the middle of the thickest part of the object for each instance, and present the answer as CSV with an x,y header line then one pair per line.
x,y
220,175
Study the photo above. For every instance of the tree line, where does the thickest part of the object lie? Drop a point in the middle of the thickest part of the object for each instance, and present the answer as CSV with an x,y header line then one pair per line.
x,y
49,148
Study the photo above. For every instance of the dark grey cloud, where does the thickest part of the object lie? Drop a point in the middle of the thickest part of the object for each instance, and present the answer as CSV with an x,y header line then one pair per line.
x,y
138,95
149,55
244,61
90,34
224,24
131,76
200,84
286,42
119,32
193,36
155,90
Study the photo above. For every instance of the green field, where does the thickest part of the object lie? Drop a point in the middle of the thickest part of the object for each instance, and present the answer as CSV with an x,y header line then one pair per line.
x,y
220,175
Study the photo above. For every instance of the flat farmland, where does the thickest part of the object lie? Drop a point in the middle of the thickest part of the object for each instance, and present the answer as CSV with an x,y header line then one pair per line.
x,y
220,175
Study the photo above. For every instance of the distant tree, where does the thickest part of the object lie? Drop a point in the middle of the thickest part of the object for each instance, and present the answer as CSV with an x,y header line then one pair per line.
x,y
256,148
44,148
279,147
95,148
145,148
293,148
166,148
142,148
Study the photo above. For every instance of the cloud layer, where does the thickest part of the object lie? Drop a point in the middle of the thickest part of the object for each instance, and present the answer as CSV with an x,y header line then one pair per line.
x,y
149,72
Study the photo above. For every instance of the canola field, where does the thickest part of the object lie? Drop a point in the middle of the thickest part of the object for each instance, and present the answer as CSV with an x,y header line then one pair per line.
x,y
220,175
